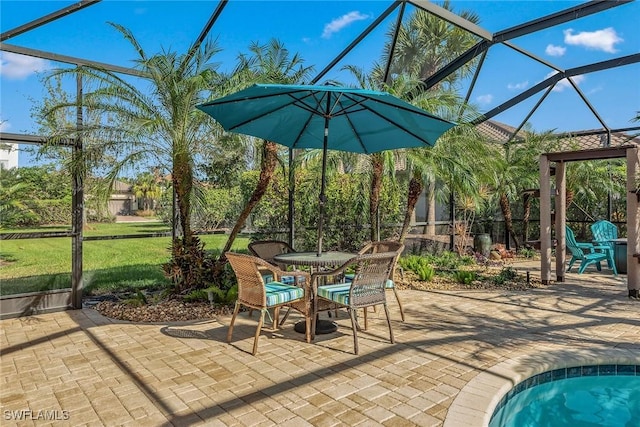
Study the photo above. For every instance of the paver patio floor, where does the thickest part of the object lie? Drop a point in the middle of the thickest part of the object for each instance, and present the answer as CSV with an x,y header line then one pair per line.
x,y
85,369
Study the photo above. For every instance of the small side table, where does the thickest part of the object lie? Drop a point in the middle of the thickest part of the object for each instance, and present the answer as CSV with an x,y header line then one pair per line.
x,y
620,254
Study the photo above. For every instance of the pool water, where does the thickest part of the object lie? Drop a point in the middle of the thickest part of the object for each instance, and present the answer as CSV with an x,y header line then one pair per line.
x,y
583,401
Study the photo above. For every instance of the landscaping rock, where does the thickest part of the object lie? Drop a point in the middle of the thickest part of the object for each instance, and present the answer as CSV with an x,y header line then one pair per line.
x,y
164,311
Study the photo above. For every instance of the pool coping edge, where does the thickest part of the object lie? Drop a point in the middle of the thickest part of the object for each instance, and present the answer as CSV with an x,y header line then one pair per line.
x,y
474,405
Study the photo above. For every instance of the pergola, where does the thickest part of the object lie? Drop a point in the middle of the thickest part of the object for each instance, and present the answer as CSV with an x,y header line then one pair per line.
x,y
486,40
632,154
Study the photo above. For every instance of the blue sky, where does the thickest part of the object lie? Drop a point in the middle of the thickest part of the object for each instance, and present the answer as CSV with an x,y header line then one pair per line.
x,y
319,30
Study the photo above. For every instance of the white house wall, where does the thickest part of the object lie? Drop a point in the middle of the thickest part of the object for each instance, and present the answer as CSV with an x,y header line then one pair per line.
x,y
9,156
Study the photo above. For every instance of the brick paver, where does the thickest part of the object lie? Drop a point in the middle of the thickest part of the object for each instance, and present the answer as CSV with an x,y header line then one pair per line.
x,y
80,368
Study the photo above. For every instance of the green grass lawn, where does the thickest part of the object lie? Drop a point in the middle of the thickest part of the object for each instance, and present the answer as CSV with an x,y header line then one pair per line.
x,y
43,264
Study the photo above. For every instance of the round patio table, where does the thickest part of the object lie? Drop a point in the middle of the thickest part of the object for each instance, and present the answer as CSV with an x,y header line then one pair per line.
x,y
311,259
315,262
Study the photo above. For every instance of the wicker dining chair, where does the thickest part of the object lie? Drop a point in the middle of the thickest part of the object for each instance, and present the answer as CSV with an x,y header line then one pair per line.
x,y
386,246
256,293
367,289
267,249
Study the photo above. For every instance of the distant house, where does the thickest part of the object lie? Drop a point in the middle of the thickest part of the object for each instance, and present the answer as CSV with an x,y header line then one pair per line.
x,y
8,156
122,200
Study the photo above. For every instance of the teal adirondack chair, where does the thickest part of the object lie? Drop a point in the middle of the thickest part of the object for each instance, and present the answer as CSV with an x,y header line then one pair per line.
x,y
603,233
588,253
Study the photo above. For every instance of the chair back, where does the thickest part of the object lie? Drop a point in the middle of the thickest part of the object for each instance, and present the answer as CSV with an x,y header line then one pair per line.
x,y
267,249
251,289
572,243
370,278
384,246
604,231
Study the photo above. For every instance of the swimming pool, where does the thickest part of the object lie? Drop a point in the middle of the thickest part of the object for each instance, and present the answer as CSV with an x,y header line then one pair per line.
x,y
595,395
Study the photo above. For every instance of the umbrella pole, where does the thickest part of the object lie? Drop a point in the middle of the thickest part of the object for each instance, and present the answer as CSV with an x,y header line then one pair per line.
x,y
323,197
292,184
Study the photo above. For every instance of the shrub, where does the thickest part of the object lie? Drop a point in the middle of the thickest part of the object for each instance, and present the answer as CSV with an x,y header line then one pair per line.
x,y
505,275
52,211
528,252
467,260
411,262
221,296
449,260
418,265
196,295
137,300
425,272
189,266
219,208
465,277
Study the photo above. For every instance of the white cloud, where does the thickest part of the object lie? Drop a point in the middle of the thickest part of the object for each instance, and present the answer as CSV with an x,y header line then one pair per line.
x,y
595,90
18,67
485,99
553,50
339,23
4,126
604,40
518,86
564,83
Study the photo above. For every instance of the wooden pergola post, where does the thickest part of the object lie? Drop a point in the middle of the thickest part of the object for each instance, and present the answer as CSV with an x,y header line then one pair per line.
x,y
561,219
633,222
632,153
545,220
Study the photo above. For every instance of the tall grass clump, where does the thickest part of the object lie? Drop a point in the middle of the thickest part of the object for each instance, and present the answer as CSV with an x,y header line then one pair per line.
x,y
418,265
465,277
449,260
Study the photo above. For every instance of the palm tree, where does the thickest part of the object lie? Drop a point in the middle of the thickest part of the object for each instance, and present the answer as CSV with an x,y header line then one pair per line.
x,y
270,63
459,162
590,183
426,43
526,153
516,171
12,206
146,188
159,121
382,163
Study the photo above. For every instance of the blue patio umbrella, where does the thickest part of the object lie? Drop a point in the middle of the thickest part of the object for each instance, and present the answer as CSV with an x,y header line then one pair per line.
x,y
328,118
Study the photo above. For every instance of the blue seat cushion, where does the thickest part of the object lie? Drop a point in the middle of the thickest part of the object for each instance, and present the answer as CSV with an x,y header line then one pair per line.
x,y
338,293
287,280
349,278
279,293
290,280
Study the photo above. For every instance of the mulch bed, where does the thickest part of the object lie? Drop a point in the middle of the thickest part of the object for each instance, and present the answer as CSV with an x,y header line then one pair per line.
x,y
164,311
174,310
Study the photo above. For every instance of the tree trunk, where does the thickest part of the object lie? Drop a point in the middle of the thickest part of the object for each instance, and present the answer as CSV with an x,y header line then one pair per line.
x,y
182,177
374,198
268,166
508,220
570,195
415,189
431,211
